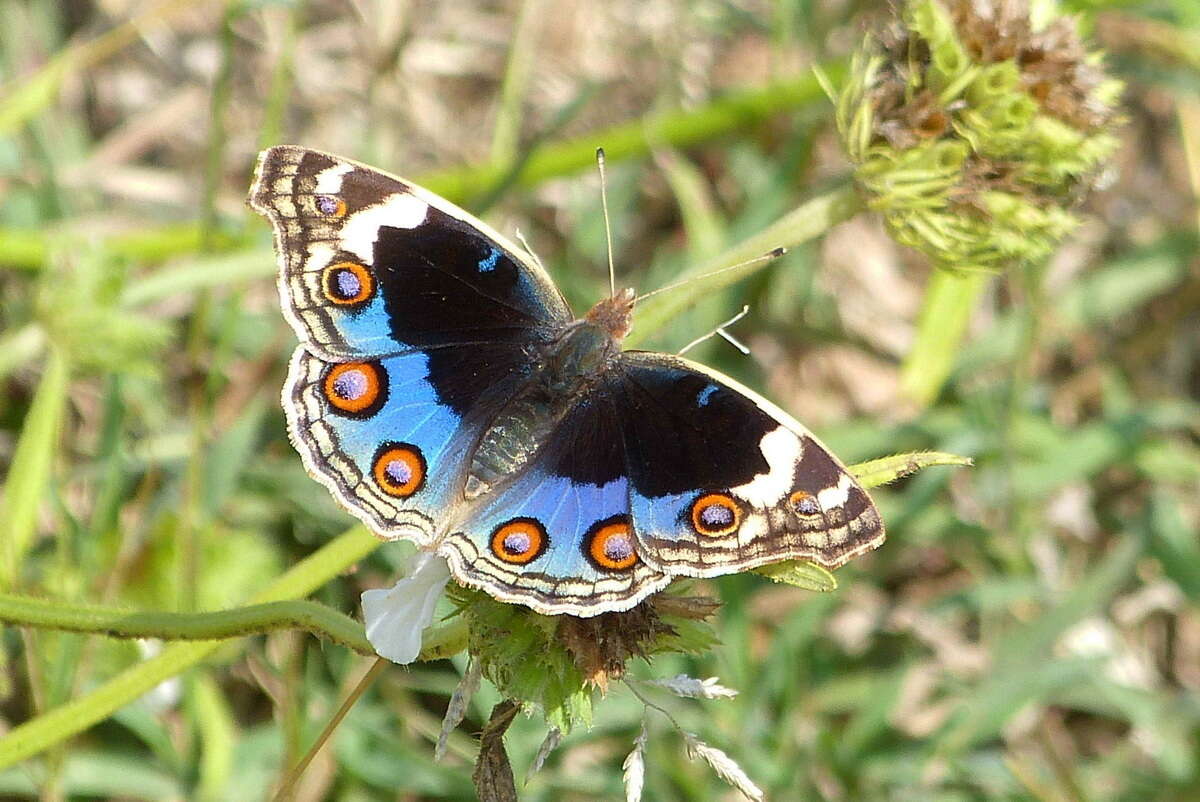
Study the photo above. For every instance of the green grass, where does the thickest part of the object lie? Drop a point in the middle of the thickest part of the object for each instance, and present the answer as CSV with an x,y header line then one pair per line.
x,y
1027,632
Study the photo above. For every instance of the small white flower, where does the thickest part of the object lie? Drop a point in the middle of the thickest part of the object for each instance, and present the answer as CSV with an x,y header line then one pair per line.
x,y
635,768
553,739
725,767
396,618
693,688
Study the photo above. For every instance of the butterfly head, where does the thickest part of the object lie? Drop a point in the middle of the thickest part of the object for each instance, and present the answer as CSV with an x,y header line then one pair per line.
x,y
615,314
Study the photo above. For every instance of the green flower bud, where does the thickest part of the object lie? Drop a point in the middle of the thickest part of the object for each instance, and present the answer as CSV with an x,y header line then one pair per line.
x,y
974,133
992,82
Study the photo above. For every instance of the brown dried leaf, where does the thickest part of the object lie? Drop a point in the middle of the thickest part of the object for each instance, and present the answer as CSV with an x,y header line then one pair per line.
x,y
493,775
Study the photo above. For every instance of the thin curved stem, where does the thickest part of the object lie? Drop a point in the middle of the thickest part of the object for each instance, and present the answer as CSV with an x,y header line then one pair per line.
x,y
807,222
29,249
55,726
255,619
876,472
288,788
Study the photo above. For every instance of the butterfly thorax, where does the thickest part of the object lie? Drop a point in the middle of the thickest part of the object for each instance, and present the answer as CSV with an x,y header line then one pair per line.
x,y
565,369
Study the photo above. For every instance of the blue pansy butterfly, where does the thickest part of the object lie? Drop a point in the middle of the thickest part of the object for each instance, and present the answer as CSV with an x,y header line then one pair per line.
x,y
444,392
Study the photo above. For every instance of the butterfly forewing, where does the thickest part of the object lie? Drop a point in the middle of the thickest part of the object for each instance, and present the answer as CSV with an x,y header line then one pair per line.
x,y
371,265
722,480
415,321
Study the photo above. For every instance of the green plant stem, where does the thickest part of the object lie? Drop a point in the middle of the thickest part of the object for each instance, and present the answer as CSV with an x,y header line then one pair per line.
x,y
255,619
949,300
55,726
807,222
738,110
876,472
287,788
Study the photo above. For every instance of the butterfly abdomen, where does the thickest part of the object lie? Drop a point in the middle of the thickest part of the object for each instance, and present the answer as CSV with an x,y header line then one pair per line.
x,y
509,442
569,366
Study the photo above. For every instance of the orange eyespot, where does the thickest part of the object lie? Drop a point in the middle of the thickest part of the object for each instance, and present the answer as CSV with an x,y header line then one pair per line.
x,y
716,514
804,503
399,469
357,389
519,541
609,544
347,283
329,205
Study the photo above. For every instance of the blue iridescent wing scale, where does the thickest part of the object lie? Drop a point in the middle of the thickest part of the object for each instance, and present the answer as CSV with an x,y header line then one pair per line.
x,y
339,445
381,437
560,538
555,544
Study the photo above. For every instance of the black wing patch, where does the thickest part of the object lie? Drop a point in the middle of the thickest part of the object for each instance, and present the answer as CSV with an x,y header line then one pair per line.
x,y
685,431
444,283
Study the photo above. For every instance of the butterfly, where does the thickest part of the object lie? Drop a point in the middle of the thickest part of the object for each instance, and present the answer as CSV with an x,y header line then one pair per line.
x,y
445,393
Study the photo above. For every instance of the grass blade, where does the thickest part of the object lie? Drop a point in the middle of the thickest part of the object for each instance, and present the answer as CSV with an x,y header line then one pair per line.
x,y
29,473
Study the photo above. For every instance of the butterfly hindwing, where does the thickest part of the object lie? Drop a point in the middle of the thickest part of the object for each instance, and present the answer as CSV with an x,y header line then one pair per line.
x,y
375,433
723,481
559,537
392,436
705,476
371,264
556,545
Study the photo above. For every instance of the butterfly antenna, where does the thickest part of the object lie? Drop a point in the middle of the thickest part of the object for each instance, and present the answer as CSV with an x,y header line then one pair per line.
x,y
766,257
719,331
612,272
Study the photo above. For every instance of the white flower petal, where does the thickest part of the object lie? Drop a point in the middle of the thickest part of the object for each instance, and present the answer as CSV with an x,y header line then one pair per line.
x,y
396,618
683,685
635,768
725,767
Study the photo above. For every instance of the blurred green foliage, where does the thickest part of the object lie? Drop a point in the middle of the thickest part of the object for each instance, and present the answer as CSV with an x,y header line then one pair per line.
x,y
1030,629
